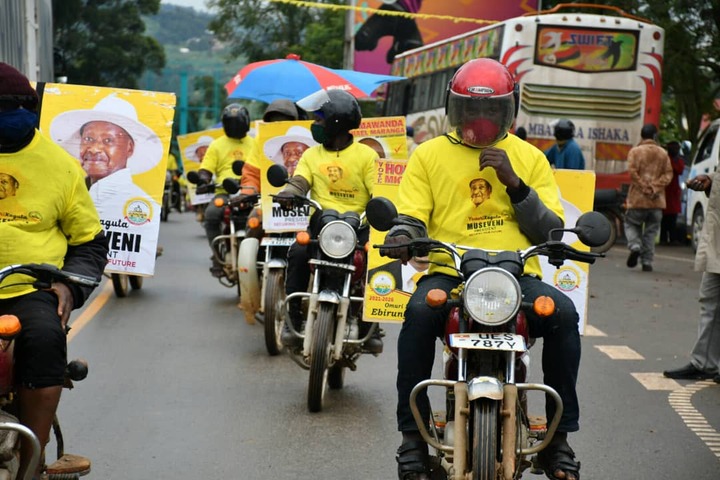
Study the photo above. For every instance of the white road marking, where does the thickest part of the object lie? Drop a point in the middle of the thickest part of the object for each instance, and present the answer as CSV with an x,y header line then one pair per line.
x,y
591,331
619,352
656,381
679,401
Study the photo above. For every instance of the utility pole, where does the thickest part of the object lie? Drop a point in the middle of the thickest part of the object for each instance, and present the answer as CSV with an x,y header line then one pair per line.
x,y
349,44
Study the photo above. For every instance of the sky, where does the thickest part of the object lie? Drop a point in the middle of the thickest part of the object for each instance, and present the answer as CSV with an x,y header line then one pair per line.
x,y
196,4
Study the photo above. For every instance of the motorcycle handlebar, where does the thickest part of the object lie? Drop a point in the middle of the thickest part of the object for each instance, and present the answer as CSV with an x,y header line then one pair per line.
x,y
45,274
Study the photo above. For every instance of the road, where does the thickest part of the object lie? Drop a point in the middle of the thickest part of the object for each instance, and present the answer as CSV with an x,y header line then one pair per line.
x,y
181,387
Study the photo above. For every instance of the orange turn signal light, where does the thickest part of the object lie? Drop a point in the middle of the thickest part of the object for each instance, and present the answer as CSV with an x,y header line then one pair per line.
x,y
253,222
367,247
544,306
302,238
218,202
9,326
436,298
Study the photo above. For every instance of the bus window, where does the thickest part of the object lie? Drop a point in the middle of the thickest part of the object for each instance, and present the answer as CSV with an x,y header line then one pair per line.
x,y
438,88
397,98
420,94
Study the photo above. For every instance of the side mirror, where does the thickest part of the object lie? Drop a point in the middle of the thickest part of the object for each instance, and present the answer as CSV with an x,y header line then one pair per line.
x,y
277,175
593,229
381,213
237,167
231,185
193,177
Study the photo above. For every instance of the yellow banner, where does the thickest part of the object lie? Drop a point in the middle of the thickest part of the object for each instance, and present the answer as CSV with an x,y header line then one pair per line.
x,y
192,150
121,138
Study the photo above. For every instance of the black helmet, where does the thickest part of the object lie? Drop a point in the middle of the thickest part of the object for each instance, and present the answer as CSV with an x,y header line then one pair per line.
x,y
280,110
235,121
564,129
339,108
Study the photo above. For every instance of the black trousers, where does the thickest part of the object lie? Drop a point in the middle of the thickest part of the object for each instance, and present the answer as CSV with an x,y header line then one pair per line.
x,y
423,324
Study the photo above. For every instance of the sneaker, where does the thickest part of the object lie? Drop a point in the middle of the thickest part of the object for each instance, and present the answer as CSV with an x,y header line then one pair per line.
x,y
633,259
688,372
647,268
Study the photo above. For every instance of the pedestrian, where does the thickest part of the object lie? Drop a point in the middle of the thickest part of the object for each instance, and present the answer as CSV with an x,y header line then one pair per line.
x,y
650,172
521,133
668,227
566,152
705,354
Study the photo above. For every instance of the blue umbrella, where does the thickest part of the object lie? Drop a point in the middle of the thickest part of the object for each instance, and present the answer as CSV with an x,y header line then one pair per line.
x,y
294,79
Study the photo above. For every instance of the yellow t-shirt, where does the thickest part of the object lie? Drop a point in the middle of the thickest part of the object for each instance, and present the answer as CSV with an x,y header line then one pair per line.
x,y
444,187
44,207
221,154
341,180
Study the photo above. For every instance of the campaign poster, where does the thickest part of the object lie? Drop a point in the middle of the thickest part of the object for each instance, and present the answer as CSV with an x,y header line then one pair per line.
x,y
282,143
192,151
121,138
378,37
385,135
577,193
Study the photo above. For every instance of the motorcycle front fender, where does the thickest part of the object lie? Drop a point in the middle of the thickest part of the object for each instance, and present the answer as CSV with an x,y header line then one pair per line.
x,y
276,263
485,387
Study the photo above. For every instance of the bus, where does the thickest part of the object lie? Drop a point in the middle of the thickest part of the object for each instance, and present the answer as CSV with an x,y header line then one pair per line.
x,y
602,71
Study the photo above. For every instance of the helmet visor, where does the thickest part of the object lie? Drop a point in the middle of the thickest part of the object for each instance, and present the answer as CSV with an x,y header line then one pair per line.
x,y
481,121
314,101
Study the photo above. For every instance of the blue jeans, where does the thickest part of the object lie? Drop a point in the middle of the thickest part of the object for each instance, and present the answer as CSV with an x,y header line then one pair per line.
x,y
560,353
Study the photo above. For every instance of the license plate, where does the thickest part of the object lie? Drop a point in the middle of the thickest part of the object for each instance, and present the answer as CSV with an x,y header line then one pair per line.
x,y
277,241
507,342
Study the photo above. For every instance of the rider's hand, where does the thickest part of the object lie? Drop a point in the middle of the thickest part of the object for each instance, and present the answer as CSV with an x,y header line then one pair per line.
x,y
65,301
396,238
286,200
498,160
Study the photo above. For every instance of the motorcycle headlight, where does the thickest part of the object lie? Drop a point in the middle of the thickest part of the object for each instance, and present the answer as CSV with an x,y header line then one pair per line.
x,y
337,239
492,296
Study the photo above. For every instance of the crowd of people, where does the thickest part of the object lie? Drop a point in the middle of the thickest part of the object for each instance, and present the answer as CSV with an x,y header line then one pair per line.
x,y
502,174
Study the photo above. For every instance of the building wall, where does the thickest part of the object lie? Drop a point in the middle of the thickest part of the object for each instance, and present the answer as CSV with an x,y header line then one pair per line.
x,y
26,37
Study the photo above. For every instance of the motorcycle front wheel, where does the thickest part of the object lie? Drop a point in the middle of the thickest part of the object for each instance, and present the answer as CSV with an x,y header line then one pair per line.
x,y
274,320
485,439
320,350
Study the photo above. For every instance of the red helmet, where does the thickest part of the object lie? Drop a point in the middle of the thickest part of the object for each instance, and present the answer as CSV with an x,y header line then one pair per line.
x,y
481,101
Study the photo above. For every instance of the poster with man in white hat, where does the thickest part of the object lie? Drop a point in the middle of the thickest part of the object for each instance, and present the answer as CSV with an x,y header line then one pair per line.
x,y
121,138
193,147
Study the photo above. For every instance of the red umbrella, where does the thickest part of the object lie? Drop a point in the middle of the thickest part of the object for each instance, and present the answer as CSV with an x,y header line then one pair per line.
x,y
294,79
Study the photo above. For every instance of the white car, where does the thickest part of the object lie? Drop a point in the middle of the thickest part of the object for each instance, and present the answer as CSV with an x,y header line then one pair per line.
x,y
705,162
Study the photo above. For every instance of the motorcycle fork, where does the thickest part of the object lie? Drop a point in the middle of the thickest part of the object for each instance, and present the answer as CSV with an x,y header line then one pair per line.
x,y
342,302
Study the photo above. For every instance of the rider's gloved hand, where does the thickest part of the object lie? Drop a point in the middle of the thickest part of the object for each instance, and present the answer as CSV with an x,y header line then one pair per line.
x,y
286,200
397,237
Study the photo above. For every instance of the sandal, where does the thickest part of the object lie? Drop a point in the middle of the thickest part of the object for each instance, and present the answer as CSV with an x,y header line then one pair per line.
x,y
558,456
412,458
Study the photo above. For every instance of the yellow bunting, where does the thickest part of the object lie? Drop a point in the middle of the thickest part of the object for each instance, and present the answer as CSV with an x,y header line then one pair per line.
x,y
301,3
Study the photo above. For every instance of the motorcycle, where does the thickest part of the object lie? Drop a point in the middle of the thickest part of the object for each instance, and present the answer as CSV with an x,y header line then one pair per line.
x,y
172,195
334,332
486,432
226,246
67,466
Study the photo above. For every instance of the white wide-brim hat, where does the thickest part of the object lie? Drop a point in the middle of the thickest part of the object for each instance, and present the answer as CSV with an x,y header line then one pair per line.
x,y
148,152
272,148
203,141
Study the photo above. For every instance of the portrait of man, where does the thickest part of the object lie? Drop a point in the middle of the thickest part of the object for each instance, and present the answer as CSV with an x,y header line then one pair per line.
x,y
480,190
334,173
374,144
113,146
8,185
196,151
287,149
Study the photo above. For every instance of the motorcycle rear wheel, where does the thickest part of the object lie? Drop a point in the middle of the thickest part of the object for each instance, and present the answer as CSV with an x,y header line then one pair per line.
x,y
136,282
485,439
274,320
120,284
320,349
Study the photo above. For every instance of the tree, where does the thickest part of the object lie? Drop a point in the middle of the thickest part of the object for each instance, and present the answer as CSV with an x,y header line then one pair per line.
x,y
260,30
691,74
101,42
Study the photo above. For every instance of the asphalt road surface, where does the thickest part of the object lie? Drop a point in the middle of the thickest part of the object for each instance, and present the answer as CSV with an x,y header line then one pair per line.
x,y
181,387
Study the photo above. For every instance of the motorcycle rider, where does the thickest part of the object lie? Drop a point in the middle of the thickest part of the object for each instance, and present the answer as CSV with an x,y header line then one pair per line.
x,y
336,112
51,219
234,145
481,104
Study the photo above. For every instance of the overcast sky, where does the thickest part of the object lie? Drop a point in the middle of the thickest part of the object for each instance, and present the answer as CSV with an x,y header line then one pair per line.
x,y
197,4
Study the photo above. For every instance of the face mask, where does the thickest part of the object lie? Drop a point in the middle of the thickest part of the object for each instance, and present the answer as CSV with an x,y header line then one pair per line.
x,y
16,125
479,133
318,133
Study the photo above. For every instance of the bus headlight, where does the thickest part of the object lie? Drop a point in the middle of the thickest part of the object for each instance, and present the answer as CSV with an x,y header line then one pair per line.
x,y
337,239
492,296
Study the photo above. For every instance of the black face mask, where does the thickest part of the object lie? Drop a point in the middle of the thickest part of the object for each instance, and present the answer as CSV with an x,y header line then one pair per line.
x,y
235,128
16,126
